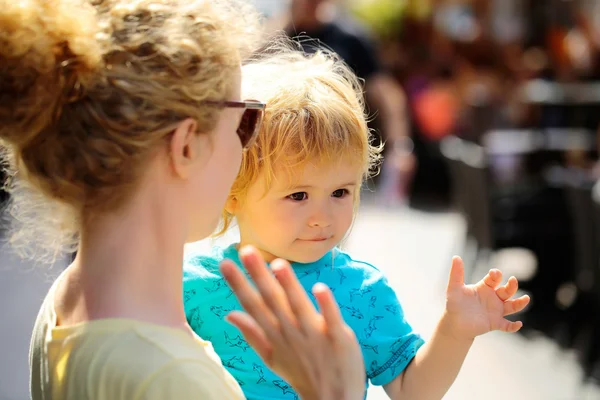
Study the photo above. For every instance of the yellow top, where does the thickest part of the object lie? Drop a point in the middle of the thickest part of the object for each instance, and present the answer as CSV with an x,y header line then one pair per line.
x,y
114,359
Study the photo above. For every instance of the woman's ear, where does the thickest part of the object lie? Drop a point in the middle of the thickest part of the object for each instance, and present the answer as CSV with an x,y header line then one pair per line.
x,y
183,147
231,205
187,147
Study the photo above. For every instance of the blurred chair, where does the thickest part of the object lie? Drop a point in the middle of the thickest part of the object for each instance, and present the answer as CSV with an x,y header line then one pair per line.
x,y
471,197
596,216
591,354
475,172
585,241
582,318
451,149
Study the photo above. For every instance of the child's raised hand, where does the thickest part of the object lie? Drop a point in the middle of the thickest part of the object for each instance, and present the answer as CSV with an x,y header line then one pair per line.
x,y
472,310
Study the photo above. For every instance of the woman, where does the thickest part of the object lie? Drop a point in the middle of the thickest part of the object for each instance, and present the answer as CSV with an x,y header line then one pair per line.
x,y
125,117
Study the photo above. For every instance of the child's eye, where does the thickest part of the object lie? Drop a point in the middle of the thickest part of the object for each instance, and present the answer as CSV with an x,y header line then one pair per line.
x,y
340,193
299,196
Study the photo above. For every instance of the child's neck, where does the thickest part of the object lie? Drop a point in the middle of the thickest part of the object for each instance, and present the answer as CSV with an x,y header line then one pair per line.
x,y
268,257
265,254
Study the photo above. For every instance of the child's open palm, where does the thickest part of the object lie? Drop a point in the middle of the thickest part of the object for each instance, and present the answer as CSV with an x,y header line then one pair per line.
x,y
472,310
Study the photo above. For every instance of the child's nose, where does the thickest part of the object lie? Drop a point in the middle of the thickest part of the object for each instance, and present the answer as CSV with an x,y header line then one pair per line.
x,y
320,219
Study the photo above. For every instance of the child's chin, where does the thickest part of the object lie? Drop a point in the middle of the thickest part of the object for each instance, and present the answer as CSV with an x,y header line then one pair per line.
x,y
309,258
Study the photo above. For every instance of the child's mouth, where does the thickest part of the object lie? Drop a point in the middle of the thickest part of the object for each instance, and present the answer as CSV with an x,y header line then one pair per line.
x,y
319,239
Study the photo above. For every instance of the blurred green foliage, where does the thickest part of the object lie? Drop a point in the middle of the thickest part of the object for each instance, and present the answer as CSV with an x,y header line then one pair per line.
x,y
384,17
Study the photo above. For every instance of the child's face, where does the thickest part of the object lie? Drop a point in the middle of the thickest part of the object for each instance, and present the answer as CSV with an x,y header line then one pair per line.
x,y
300,219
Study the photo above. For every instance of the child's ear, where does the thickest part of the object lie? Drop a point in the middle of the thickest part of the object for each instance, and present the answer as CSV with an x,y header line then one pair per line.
x,y
231,205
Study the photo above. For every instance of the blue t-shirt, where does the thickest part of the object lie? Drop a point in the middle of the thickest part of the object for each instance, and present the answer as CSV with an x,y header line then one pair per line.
x,y
368,304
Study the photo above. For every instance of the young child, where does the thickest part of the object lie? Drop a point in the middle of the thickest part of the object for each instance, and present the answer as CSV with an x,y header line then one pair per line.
x,y
295,198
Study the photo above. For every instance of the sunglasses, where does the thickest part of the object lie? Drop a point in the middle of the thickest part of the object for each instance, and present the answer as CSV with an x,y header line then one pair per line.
x,y
251,119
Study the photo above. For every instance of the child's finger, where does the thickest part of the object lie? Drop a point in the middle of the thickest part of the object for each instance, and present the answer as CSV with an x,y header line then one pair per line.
x,y
493,278
330,310
507,291
252,332
457,273
509,326
270,289
249,297
301,306
262,277
516,305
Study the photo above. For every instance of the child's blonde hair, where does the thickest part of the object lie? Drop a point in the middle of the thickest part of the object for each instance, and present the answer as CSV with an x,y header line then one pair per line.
x,y
315,112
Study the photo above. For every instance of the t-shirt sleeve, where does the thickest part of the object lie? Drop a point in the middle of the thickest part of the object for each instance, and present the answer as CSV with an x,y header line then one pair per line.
x,y
388,341
185,380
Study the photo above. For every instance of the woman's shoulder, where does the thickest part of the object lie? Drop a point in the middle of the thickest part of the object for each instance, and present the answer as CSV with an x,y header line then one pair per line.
x,y
136,358
175,364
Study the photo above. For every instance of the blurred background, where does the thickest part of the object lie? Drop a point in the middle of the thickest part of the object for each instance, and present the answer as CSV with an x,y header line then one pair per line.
x,y
491,114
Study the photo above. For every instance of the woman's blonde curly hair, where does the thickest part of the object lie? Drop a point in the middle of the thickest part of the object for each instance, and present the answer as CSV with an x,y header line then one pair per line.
x,y
89,90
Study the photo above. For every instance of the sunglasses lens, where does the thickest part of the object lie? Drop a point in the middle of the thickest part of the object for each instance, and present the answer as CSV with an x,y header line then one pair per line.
x,y
249,126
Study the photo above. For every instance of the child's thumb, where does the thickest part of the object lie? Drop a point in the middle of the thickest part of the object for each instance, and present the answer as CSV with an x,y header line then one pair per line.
x,y
457,273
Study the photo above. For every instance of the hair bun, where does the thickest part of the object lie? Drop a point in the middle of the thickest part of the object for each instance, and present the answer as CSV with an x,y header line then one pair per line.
x,y
48,53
